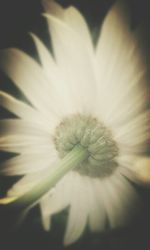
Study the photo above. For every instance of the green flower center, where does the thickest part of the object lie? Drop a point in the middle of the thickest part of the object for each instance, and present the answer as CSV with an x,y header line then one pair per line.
x,y
91,134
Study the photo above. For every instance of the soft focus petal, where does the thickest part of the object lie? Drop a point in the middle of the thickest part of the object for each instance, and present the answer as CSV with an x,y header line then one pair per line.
x,y
121,69
44,208
29,78
25,144
52,7
19,108
56,83
142,169
28,163
72,17
78,211
97,213
9,127
117,200
133,136
74,62
56,200
60,196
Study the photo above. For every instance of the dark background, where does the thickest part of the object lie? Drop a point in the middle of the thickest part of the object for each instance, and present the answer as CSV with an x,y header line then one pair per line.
x,y
17,18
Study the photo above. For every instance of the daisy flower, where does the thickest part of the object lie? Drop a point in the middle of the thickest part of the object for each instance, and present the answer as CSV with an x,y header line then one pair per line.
x,y
85,126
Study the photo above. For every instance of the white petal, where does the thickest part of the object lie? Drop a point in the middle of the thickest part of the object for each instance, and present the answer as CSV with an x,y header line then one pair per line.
x,y
61,195
25,144
78,211
29,78
20,108
75,20
132,136
142,169
57,84
46,218
56,200
28,163
75,63
9,127
120,200
97,213
121,69
51,7
126,159
72,17
46,58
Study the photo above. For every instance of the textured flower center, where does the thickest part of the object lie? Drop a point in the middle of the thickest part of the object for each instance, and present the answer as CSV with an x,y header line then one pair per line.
x,y
91,134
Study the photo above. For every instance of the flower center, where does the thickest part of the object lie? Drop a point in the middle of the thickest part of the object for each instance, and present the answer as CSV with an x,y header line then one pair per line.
x,y
91,134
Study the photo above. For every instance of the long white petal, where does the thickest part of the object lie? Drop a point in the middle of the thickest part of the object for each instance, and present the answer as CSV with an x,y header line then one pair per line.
x,y
120,68
46,58
52,7
117,200
46,218
133,136
25,144
20,127
142,169
97,213
20,108
61,196
56,200
72,17
56,83
75,63
28,163
78,211
29,78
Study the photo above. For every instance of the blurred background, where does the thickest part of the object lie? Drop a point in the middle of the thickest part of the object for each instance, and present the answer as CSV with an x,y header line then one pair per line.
x,y
17,18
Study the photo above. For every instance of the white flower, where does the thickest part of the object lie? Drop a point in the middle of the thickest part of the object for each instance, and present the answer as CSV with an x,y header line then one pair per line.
x,y
90,96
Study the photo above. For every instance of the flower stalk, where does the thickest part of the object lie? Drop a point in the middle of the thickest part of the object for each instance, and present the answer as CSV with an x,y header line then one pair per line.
x,y
69,162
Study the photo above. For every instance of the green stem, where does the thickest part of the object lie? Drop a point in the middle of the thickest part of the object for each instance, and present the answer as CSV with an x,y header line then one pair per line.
x,y
69,162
